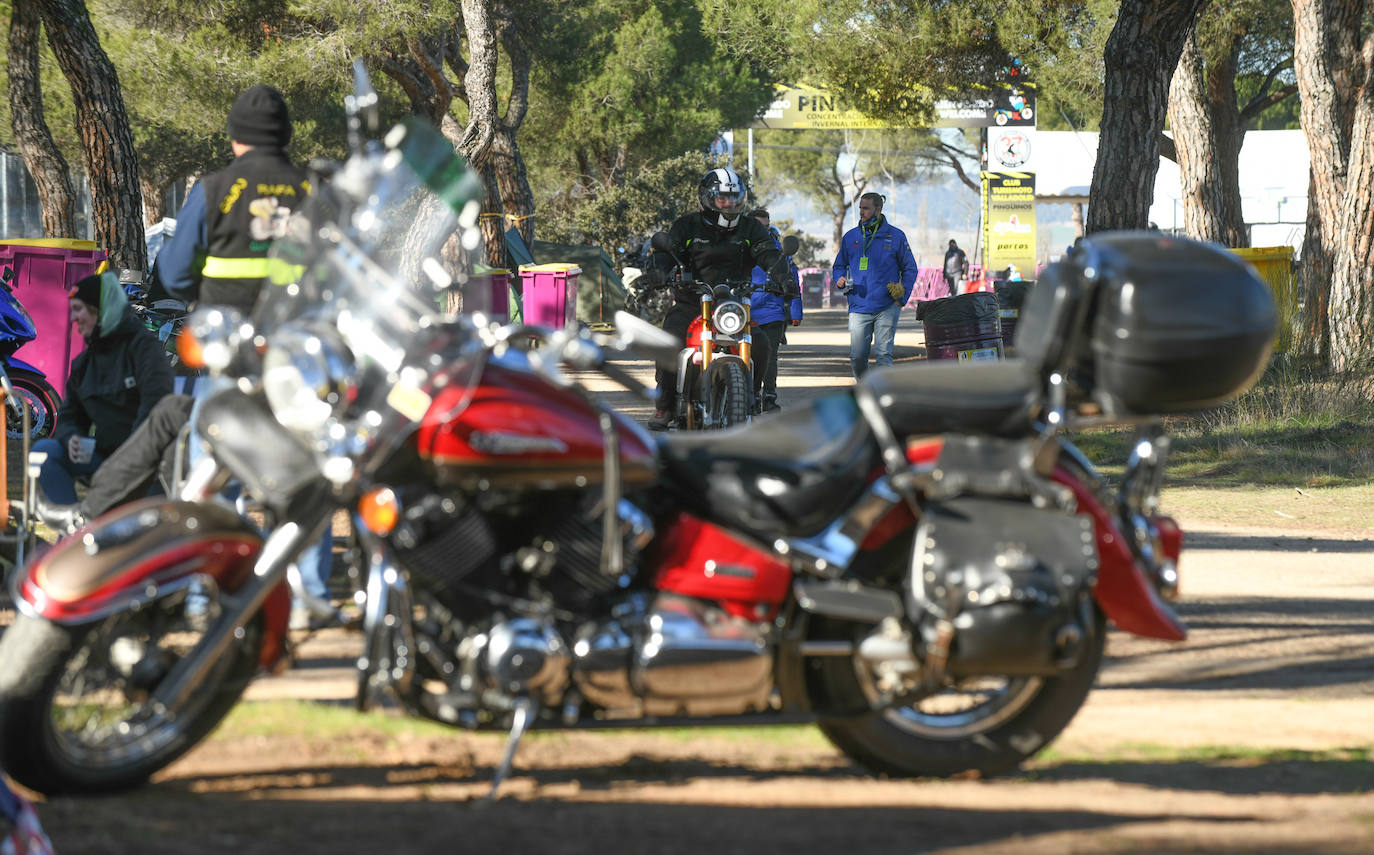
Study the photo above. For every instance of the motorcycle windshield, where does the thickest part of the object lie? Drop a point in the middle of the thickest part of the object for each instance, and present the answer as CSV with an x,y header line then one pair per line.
x,y
361,323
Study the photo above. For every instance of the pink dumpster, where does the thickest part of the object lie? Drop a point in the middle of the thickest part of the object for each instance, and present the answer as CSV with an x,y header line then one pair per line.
x,y
549,294
488,292
43,271
500,294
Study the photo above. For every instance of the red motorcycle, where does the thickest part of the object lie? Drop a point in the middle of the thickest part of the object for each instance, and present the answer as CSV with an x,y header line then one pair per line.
x,y
926,565
715,371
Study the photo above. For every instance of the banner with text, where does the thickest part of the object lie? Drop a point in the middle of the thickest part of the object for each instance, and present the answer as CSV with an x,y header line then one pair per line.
x,y
1009,221
805,108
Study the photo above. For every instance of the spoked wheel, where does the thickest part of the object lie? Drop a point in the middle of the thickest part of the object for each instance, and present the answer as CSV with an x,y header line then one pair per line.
x,y
729,396
42,402
76,708
985,725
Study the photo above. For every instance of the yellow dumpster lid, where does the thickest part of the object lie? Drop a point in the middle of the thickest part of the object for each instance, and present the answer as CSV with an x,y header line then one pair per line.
x,y
52,243
1264,253
551,268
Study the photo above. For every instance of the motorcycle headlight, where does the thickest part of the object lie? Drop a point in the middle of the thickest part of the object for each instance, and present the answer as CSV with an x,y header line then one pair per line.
x,y
307,378
729,318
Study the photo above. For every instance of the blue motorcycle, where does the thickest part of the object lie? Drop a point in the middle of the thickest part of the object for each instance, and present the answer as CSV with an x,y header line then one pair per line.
x,y
26,386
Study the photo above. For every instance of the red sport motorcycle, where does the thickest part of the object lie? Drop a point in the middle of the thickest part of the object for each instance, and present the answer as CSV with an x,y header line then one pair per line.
x,y
926,565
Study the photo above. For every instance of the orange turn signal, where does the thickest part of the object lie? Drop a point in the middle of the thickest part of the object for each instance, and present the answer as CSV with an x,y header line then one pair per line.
x,y
189,350
379,510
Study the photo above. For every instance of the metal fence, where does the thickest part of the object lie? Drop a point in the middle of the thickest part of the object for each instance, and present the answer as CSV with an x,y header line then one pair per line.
x,y
20,214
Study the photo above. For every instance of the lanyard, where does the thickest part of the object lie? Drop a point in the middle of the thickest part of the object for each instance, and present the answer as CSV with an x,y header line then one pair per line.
x,y
867,243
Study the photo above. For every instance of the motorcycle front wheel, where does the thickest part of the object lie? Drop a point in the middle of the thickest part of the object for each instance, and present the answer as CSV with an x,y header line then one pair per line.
x,y
729,396
76,708
985,725
40,397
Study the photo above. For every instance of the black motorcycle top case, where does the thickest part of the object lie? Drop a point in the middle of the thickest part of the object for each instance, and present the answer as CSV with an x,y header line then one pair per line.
x,y
1178,325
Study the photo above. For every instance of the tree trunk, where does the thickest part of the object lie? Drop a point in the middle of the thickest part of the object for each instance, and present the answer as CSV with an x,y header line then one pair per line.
x,y
1313,334
1207,138
1352,280
512,182
493,222
508,167
154,197
1329,71
41,155
1141,54
103,126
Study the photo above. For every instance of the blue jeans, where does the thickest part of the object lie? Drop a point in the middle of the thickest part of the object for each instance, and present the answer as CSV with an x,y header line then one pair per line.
x,y
58,475
876,330
315,564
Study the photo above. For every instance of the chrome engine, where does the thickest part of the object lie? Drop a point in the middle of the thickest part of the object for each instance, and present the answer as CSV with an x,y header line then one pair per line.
x,y
464,660
675,655
659,655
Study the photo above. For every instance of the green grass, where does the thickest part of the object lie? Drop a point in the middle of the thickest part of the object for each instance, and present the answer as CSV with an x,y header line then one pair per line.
x,y
1230,755
305,719
1298,427
310,720
1333,770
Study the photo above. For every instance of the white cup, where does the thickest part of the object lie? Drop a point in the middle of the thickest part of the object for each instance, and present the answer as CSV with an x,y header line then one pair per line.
x,y
85,447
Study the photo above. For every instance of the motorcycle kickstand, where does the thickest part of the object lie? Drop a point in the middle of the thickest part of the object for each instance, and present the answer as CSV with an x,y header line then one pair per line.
x,y
521,717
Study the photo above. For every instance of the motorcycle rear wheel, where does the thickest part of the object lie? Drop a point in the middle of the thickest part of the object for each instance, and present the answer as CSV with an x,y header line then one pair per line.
x,y
729,396
42,400
75,716
985,725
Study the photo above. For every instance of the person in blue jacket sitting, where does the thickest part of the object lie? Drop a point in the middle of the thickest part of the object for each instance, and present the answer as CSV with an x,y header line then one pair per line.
x,y
876,271
772,314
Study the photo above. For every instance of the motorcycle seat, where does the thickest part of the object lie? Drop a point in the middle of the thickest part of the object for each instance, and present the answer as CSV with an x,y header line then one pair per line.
x,y
991,398
788,474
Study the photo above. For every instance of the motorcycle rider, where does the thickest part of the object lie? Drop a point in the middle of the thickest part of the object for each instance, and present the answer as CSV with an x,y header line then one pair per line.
x,y
715,244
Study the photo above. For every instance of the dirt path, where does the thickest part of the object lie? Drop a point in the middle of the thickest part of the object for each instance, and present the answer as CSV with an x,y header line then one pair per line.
x,y
1252,737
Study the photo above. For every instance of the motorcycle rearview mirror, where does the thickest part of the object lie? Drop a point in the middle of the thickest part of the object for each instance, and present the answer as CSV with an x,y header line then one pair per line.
x,y
790,245
662,243
647,340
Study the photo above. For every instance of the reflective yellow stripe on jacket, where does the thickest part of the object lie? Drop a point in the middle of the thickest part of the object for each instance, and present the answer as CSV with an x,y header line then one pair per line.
x,y
278,271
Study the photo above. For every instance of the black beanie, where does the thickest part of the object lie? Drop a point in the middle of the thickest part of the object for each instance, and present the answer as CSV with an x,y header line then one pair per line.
x,y
87,290
259,117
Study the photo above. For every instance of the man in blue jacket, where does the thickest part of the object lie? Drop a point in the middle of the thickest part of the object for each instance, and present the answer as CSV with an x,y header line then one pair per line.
x,y
772,313
876,271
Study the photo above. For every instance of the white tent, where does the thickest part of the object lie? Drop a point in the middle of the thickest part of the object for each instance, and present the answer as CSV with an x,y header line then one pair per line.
x,y
1273,181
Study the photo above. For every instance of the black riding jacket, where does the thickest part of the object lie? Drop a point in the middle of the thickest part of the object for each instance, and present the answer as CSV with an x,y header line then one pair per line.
x,y
246,206
715,255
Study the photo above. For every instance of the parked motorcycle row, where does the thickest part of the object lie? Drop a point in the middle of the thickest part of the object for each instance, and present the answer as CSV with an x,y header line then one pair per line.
x,y
926,565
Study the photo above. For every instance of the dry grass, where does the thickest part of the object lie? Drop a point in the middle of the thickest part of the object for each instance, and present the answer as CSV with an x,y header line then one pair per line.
x,y
1298,427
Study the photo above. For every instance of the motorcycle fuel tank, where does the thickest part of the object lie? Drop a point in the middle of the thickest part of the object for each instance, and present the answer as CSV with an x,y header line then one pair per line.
x,y
519,428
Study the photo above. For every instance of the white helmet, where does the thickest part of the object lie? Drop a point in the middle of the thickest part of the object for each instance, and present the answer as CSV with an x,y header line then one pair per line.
x,y
724,197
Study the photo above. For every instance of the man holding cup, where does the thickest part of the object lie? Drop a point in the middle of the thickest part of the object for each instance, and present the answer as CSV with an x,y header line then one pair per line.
x,y
112,386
